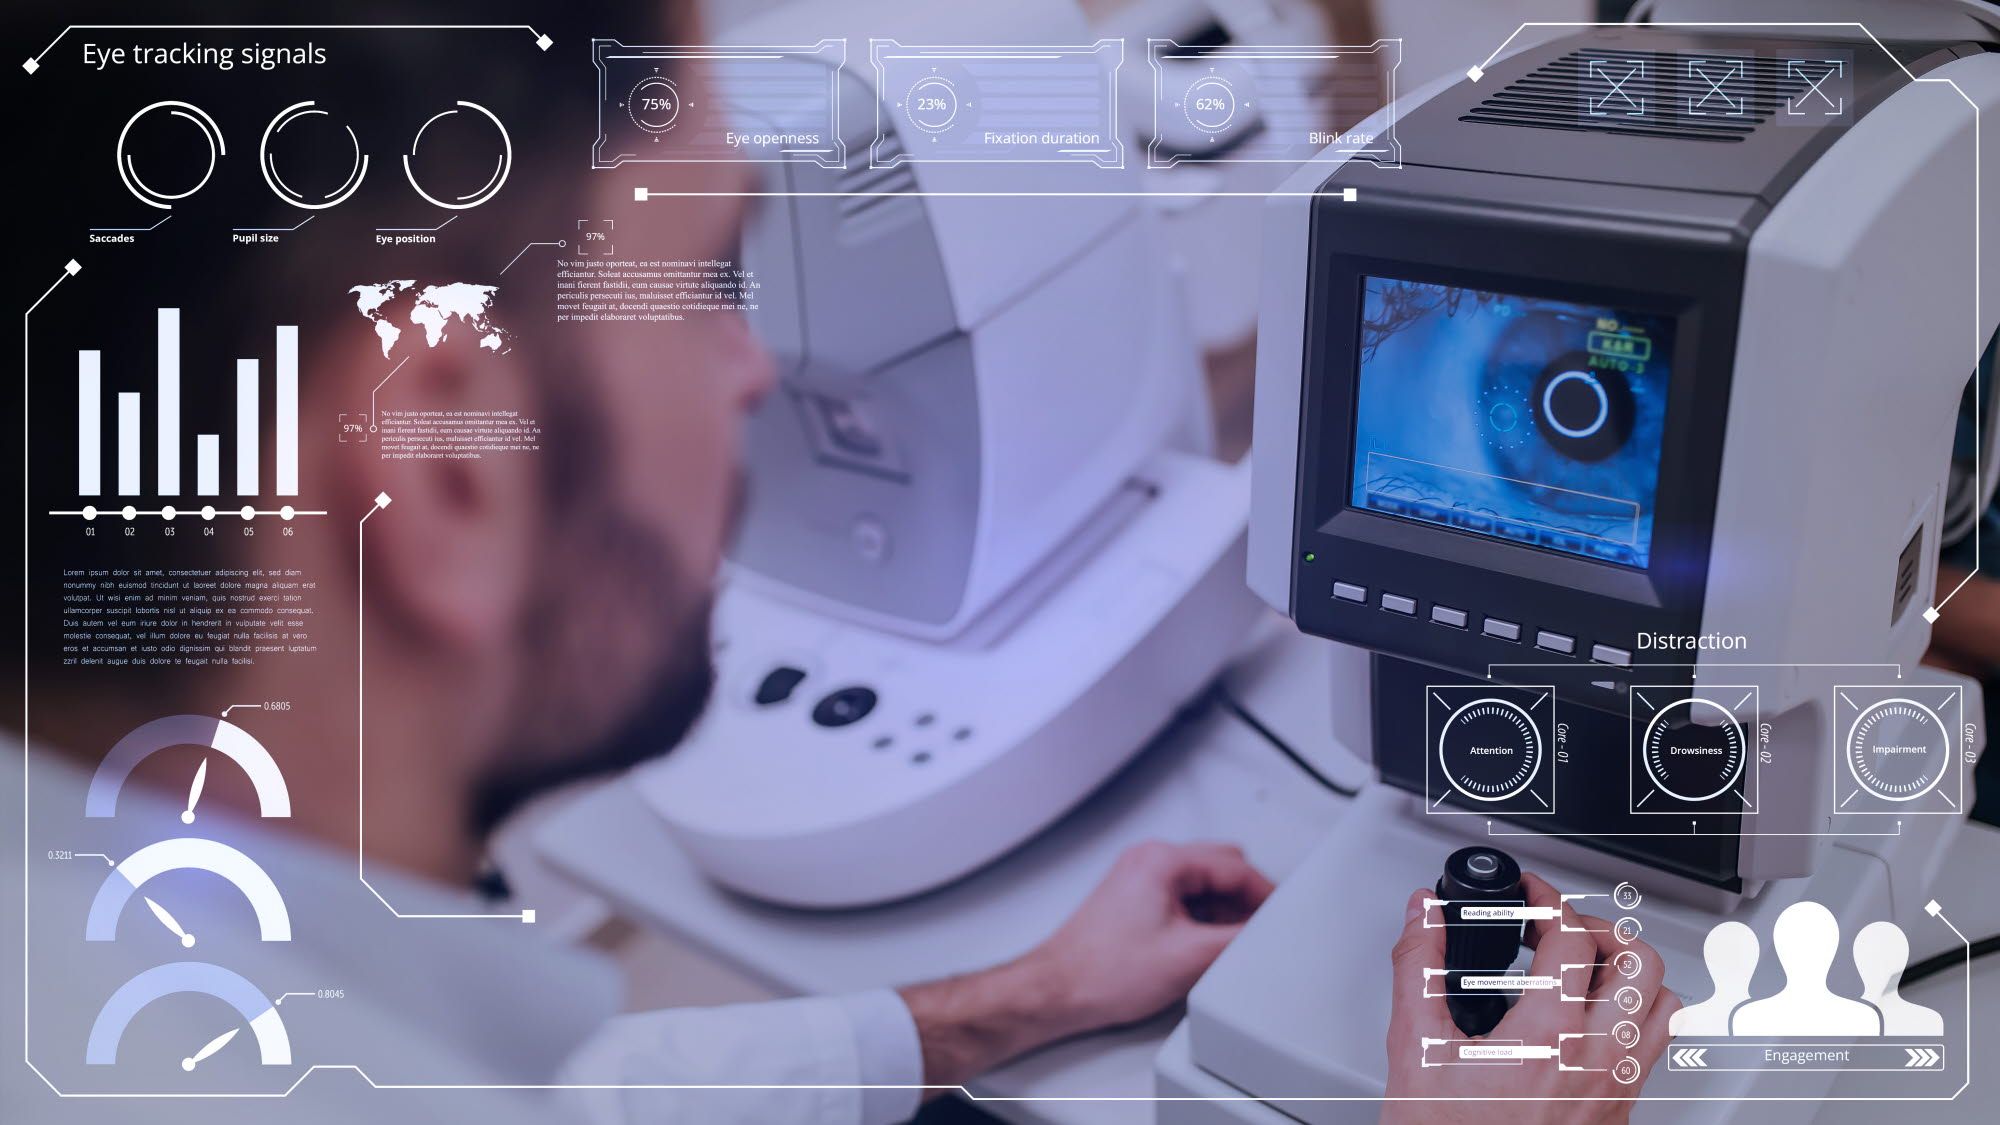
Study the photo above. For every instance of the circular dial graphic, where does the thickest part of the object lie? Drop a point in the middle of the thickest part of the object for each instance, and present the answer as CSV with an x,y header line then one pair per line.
x,y
932,104
153,136
1210,104
1490,749
1626,896
1689,754
308,166
466,132
1898,749
654,104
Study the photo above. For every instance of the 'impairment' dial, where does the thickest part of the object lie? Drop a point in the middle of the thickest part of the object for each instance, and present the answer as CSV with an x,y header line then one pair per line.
x,y
1898,750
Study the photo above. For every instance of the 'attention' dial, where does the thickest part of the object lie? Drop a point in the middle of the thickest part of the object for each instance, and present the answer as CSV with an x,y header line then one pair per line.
x,y
1490,749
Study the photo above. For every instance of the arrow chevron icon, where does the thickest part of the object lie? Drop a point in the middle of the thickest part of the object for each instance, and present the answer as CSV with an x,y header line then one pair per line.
x,y
1693,1058
1921,1057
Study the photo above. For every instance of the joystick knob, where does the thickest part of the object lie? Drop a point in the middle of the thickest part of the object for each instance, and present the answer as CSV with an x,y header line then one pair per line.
x,y
1474,876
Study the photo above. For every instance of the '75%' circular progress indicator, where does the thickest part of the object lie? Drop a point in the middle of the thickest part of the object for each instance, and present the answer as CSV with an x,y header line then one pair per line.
x,y
654,104
1490,749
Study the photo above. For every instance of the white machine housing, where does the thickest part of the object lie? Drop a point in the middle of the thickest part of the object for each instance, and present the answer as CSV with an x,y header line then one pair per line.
x,y
982,553
1011,360
1822,545
1835,442
964,750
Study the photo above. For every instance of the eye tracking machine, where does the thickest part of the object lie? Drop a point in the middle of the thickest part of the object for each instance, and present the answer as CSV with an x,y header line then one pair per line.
x,y
984,557
1611,436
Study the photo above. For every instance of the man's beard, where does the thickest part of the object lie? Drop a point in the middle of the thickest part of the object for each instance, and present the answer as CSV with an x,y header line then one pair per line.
x,y
599,617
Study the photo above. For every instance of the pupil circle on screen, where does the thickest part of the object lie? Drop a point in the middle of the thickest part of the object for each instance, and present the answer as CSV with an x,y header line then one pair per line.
x,y
1576,404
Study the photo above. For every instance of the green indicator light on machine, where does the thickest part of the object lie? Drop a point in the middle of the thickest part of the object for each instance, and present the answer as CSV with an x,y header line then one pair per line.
x,y
1310,556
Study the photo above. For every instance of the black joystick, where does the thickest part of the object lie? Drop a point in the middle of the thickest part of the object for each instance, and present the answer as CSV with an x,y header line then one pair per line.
x,y
1474,877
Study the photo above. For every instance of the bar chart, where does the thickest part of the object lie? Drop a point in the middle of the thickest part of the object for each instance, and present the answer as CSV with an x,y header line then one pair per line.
x,y
129,495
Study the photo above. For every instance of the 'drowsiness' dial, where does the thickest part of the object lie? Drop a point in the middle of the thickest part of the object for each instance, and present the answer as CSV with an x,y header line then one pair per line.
x,y
1694,749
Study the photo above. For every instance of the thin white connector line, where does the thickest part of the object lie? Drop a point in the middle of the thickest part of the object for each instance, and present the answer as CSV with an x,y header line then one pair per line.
x,y
961,1090
37,57
361,731
27,738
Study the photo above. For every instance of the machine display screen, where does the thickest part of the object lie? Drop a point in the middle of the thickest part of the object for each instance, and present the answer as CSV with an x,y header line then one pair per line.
x,y
1533,421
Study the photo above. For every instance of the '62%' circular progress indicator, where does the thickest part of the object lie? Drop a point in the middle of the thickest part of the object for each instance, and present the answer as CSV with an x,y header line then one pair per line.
x,y
1898,749
1490,749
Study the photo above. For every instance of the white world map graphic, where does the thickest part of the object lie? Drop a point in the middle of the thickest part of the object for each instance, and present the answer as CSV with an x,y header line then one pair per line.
x,y
432,308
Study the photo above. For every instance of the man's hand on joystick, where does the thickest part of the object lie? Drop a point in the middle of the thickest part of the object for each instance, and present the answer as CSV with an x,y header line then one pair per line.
x,y
1540,1018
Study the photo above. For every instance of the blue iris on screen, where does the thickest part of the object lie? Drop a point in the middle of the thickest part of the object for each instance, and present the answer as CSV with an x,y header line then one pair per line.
x,y
1528,420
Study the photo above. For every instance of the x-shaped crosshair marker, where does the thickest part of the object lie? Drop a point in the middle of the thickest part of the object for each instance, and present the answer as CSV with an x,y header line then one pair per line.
x,y
1615,88
1734,106
1798,68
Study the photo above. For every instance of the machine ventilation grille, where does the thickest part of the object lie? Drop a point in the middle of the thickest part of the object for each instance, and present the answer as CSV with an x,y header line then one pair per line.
x,y
875,187
1671,94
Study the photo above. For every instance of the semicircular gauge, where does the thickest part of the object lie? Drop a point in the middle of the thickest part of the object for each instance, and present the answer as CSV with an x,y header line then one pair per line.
x,y
274,922
462,132
155,161
235,743
274,1046
310,161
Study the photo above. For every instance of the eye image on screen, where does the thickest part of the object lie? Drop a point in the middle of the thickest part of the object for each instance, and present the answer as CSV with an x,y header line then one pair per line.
x,y
1529,420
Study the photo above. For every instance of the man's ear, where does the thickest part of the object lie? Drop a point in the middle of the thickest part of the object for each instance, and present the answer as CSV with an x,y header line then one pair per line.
x,y
451,556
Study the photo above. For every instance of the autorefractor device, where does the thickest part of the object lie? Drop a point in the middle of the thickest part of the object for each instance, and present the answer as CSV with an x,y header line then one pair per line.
x,y
1610,435
985,556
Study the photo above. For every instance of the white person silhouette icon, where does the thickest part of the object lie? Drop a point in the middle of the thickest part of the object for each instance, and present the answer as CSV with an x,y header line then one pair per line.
x,y
1806,938
1881,953
1731,953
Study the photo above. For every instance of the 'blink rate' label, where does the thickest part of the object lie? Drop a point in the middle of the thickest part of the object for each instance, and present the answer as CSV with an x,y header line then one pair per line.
x,y
1276,103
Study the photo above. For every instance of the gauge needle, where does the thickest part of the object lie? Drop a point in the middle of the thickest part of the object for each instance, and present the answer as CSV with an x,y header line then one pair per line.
x,y
167,920
194,791
214,1045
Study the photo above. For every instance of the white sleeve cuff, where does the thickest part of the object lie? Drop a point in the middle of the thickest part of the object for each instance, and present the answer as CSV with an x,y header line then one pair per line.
x,y
891,1055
